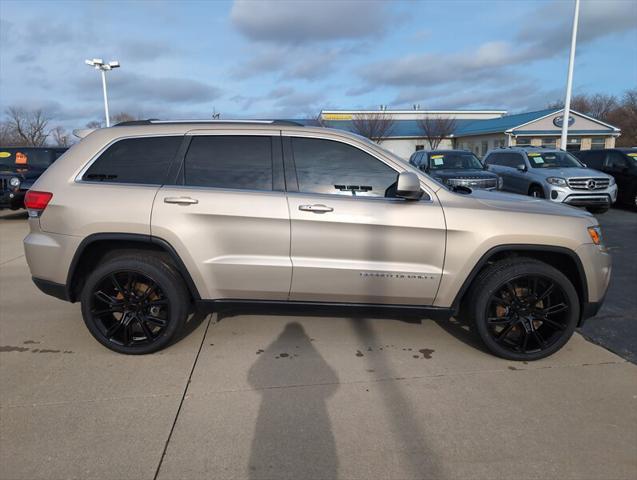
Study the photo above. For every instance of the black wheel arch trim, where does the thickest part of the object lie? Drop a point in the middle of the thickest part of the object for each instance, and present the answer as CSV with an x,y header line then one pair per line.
x,y
128,237
516,247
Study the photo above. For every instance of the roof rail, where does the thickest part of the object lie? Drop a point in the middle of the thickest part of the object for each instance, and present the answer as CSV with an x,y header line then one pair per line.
x,y
154,121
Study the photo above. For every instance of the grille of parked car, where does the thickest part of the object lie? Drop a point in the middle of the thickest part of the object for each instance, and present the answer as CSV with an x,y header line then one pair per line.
x,y
588,183
477,182
4,184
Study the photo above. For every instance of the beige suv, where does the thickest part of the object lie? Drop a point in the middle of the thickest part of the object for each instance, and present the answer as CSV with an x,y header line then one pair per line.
x,y
142,221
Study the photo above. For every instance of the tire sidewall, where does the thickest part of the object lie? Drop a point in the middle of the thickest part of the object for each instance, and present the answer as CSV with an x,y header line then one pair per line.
x,y
494,282
166,281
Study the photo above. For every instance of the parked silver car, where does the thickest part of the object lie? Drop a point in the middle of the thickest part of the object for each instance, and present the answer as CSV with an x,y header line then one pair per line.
x,y
552,174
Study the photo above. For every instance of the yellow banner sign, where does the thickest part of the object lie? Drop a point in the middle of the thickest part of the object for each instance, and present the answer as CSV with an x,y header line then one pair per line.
x,y
337,116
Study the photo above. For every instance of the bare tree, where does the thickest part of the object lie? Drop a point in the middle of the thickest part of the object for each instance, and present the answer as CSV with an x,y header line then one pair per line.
x,y
123,117
436,129
625,117
8,137
29,126
375,126
598,105
94,124
60,137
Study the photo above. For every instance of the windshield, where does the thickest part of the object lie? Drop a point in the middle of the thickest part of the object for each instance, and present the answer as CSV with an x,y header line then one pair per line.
x,y
25,157
454,160
553,160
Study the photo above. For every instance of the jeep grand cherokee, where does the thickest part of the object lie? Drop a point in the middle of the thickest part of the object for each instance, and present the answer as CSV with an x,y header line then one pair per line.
x,y
141,221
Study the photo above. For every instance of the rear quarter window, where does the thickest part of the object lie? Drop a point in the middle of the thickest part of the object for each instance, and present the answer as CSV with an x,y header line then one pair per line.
x,y
144,160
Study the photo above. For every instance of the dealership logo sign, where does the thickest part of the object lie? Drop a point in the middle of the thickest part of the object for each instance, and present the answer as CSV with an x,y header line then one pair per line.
x,y
559,121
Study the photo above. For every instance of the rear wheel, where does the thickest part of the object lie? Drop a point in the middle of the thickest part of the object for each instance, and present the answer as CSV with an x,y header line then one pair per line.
x,y
134,304
536,191
524,309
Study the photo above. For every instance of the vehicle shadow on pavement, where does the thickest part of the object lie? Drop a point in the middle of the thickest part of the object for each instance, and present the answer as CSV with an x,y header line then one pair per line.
x,y
461,329
415,448
293,435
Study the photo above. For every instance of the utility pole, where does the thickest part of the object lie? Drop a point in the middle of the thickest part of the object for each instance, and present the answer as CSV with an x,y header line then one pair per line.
x,y
99,64
569,79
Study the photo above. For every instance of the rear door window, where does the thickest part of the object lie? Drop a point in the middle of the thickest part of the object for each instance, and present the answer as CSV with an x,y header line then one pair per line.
x,y
143,160
230,161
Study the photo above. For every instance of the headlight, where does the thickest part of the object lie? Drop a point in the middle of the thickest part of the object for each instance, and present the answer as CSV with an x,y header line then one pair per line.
x,y
14,182
500,183
596,235
560,182
612,181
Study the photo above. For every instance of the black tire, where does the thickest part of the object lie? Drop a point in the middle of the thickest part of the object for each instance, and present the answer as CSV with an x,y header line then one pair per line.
x,y
597,210
536,191
506,295
134,303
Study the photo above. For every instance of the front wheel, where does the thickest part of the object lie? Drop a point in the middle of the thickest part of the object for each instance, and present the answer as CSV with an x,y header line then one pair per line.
x,y
134,304
536,192
524,309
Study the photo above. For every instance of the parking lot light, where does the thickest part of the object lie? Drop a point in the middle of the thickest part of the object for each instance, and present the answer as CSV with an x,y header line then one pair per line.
x,y
103,67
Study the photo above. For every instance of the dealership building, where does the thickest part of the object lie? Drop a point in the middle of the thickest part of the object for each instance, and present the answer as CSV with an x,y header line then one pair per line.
x,y
483,130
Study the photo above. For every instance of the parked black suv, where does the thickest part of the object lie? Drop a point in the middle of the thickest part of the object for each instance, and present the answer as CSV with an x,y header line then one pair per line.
x,y
20,167
621,163
456,168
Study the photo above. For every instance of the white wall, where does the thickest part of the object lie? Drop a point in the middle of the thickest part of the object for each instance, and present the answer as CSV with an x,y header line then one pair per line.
x,y
404,147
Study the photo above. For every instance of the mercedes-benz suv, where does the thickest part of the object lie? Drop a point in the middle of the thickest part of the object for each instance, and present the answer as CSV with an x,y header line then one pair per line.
x,y
145,222
552,174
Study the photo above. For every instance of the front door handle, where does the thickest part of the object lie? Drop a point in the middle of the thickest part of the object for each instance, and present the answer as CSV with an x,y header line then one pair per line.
x,y
181,200
316,208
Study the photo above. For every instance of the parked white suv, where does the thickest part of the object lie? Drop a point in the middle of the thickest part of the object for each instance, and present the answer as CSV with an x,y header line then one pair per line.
x,y
552,174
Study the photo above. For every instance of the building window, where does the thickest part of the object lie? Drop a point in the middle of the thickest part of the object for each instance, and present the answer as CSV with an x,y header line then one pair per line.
x,y
549,142
485,148
420,147
523,141
598,143
573,143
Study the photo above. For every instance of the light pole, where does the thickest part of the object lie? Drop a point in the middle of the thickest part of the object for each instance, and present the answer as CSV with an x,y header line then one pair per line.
x,y
569,79
99,64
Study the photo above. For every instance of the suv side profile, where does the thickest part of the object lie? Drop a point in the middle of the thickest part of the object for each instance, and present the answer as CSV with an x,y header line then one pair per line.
x,y
141,222
552,174
621,163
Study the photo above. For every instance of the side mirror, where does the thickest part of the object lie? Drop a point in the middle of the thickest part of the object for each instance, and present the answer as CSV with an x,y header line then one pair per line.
x,y
408,186
521,167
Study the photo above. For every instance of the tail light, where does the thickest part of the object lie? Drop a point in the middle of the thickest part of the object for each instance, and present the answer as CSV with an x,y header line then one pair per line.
x,y
36,202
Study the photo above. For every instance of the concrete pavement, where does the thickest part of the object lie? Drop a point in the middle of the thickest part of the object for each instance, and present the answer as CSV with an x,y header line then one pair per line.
x,y
276,396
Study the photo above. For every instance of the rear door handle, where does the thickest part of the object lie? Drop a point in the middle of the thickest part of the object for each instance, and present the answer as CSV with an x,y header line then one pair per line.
x,y
181,200
316,208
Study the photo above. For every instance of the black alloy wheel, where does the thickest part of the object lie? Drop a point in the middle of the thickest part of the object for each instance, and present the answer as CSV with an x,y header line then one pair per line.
x,y
524,309
130,308
135,303
527,314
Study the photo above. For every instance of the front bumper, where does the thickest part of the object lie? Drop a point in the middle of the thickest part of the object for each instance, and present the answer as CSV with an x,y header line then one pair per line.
x,y
583,198
597,266
12,199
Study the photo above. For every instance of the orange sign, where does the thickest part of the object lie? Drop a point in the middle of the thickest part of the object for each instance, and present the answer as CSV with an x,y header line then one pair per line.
x,y
20,158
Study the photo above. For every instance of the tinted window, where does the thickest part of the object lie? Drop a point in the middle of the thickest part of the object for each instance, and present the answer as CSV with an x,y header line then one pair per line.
x,y
243,162
454,160
135,160
326,166
616,161
505,159
593,158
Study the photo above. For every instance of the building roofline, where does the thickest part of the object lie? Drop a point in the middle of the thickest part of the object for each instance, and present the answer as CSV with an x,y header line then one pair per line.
x,y
413,111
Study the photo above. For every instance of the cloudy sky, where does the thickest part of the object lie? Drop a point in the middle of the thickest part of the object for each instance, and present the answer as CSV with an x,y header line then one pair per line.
x,y
279,58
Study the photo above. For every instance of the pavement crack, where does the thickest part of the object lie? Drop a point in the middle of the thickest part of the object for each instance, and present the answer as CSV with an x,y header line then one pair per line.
x,y
11,260
181,402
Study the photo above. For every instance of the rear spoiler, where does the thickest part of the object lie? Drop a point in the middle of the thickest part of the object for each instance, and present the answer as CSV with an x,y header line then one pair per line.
x,y
83,132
